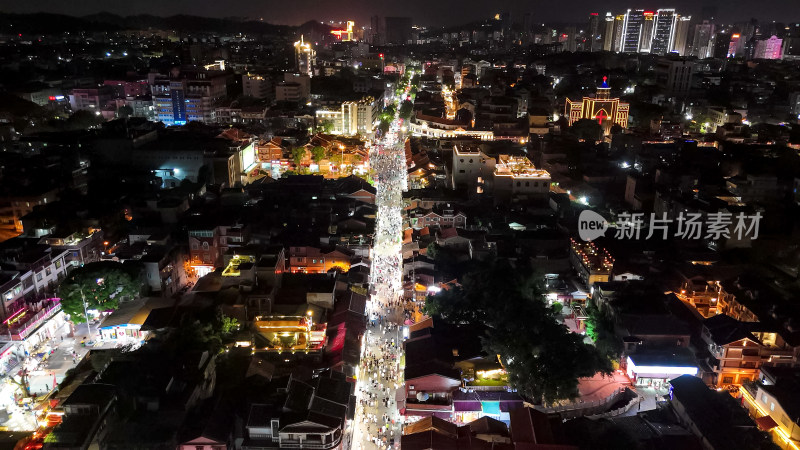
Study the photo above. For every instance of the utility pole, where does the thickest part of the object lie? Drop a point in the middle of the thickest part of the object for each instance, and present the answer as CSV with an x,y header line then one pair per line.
x,y
85,313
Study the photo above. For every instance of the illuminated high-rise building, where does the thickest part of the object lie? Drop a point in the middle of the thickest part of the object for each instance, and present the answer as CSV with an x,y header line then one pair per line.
x,y
664,33
595,33
608,32
648,28
305,57
619,33
681,44
702,44
771,48
632,34
734,47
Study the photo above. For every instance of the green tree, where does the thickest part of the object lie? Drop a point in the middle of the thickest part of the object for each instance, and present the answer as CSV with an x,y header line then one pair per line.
x,y
543,359
298,153
124,111
318,154
228,324
101,285
406,109
325,127
587,129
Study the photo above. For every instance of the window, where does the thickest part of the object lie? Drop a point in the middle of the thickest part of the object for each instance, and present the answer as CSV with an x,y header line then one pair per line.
x,y
727,380
195,246
205,245
47,271
772,406
764,398
39,276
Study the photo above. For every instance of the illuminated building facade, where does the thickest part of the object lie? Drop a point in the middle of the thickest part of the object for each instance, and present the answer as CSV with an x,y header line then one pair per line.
x,y
681,42
646,35
769,48
664,32
290,333
518,175
346,34
632,30
352,117
305,57
182,98
606,110
593,264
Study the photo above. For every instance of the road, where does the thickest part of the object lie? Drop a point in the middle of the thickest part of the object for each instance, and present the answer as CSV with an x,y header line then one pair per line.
x,y
378,423
62,353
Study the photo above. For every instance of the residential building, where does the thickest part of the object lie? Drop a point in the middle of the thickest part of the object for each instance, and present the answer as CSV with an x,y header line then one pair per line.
x,y
82,247
91,99
257,86
681,44
352,117
319,260
773,401
674,76
516,175
633,29
444,216
739,349
305,57
771,48
593,264
312,415
472,168
664,29
714,417
88,413
183,97
703,40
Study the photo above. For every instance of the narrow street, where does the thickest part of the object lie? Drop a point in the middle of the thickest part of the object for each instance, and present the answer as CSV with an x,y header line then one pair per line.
x,y
377,423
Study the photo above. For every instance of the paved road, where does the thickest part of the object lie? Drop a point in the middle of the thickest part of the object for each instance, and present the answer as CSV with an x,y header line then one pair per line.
x,y
377,423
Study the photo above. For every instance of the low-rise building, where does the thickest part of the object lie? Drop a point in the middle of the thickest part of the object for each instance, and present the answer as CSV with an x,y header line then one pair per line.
x,y
714,417
774,402
593,264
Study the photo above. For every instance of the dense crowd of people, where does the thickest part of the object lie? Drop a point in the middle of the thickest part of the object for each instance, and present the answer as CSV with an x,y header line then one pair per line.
x,y
380,372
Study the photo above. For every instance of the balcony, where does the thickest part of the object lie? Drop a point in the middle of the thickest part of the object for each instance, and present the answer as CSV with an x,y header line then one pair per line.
x,y
24,322
306,443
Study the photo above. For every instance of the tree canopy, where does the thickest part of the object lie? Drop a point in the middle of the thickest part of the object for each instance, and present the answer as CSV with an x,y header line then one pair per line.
x,y
543,359
587,129
102,284
298,153
406,109
318,153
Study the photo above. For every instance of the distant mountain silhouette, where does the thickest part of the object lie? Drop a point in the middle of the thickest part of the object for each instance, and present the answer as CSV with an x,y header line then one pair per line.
x,y
46,23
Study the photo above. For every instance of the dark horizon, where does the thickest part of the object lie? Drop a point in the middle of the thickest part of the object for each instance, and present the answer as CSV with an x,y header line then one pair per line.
x,y
423,13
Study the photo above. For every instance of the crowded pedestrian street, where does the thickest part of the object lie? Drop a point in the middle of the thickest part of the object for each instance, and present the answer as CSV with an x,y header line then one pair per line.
x,y
377,423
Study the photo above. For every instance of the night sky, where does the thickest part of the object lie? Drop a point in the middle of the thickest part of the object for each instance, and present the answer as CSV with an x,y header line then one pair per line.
x,y
424,12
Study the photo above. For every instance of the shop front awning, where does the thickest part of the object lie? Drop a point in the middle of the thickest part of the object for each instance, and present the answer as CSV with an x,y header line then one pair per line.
x,y
766,423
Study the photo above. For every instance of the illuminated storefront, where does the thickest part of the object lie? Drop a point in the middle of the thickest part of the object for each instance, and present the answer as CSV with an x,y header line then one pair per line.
x,y
650,370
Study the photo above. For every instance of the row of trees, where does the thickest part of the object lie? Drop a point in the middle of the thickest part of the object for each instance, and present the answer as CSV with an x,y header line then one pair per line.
x,y
543,359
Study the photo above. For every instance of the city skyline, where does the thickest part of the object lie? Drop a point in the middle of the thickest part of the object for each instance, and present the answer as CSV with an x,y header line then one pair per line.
x,y
424,13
